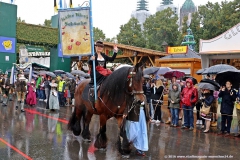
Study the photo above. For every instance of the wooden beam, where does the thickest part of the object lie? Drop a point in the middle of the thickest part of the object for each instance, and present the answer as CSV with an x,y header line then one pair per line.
x,y
140,59
151,60
135,60
131,60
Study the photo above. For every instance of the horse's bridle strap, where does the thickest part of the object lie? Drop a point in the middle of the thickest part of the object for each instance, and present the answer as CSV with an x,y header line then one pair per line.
x,y
137,92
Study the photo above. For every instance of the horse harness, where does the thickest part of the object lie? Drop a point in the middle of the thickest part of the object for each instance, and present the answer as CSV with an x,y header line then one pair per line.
x,y
133,93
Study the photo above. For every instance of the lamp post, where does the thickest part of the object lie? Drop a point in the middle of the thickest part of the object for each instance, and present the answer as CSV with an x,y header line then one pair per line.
x,y
165,45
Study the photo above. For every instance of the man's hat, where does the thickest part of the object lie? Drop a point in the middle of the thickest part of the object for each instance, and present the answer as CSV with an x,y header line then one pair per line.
x,y
99,43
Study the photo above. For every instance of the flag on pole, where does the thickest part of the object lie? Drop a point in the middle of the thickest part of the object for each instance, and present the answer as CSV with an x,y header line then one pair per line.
x,y
65,4
12,76
55,6
70,4
30,74
12,1
60,4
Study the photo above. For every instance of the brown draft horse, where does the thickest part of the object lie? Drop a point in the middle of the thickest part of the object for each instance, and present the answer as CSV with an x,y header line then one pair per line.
x,y
118,94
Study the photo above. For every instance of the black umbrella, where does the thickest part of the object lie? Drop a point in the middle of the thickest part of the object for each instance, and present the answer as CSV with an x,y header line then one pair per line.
x,y
200,71
229,75
218,68
58,72
79,73
211,82
207,86
150,70
192,78
51,74
69,75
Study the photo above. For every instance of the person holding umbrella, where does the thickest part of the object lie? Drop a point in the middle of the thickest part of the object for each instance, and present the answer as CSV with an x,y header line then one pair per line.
x,y
189,97
228,95
174,81
207,100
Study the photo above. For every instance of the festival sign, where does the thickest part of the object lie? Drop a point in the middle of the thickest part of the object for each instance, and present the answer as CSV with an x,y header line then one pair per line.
x,y
75,32
7,44
177,50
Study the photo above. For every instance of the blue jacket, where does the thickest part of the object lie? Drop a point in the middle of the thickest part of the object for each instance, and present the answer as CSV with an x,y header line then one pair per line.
x,y
228,100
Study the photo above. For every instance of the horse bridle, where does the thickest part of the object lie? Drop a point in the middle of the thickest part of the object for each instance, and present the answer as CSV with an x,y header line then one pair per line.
x,y
130,78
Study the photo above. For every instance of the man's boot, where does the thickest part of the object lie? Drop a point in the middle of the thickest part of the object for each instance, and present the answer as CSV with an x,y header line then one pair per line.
x,y
22,107
18,104
1,98
5,100
10,97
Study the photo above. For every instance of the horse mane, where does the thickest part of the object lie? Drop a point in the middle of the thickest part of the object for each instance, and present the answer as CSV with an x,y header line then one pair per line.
x,y
114,87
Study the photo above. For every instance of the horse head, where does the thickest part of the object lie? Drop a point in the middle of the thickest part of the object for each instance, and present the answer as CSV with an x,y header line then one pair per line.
x,y
135,82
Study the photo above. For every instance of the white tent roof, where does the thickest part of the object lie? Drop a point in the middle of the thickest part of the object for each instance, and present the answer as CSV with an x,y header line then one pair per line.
x,y
228,42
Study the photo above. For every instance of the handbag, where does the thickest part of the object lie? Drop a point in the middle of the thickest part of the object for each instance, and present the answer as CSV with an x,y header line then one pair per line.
x,y
205,109
237,105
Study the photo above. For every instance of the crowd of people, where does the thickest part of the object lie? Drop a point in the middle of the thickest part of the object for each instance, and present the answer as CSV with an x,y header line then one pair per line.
x,y
55,92
184,96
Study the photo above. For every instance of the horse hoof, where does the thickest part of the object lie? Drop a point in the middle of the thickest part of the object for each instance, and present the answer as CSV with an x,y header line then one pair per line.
x,y
87,140
126,156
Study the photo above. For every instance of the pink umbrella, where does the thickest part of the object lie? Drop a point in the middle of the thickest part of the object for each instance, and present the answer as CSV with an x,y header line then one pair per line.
x,y
174,73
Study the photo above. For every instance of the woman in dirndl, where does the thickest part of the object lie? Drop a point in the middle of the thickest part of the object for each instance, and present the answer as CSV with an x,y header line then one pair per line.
x,y
136,132
53,97
208,99
101,60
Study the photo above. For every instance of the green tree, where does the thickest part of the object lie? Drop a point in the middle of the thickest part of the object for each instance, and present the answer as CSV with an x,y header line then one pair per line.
x,y
161,27
131,34
98,34
212,20
47,23
20,20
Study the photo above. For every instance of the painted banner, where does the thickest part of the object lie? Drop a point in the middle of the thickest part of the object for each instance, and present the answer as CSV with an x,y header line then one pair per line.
x,y
7,45
74,27
177,50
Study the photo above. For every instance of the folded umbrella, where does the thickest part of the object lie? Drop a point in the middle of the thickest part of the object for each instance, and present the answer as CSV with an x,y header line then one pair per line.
x,y
150,70
218,68
231,75
174,73
207,86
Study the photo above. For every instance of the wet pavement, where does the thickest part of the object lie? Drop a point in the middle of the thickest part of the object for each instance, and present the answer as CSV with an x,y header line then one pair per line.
x,y
43,135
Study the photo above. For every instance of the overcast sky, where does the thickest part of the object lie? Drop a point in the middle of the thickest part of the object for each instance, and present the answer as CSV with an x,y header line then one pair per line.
x,y
108,15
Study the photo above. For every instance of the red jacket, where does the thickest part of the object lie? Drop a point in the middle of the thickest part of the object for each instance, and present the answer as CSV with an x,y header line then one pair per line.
x,y
189,96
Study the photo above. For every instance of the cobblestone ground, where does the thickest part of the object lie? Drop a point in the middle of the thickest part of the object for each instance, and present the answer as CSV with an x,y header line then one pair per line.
x,y
40,134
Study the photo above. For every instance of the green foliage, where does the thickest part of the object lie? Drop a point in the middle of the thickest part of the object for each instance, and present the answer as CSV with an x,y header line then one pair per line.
x,y
161,27
36,35
131,34
20,20
47,23
98,34
213,19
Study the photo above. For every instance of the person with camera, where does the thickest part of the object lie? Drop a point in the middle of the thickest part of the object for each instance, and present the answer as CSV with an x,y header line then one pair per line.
x,y
228,95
